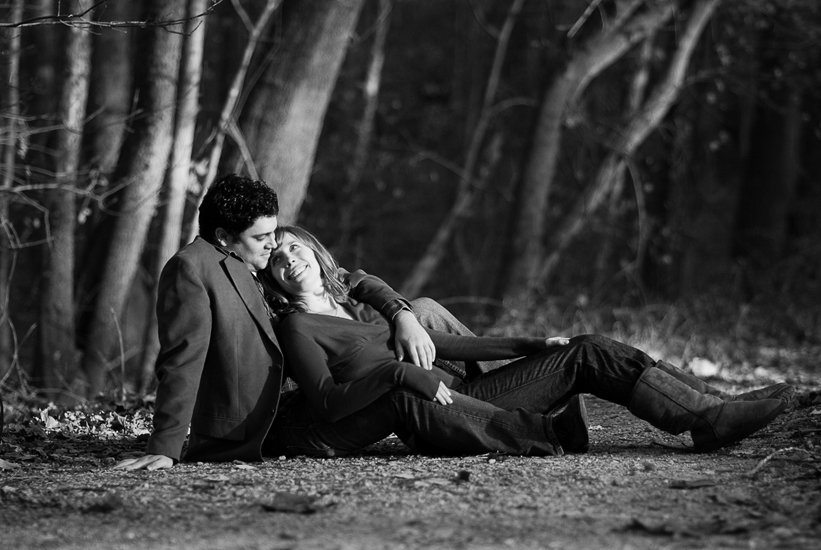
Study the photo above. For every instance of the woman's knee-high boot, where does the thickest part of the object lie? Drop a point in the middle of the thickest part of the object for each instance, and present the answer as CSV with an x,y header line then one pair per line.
x,y
775,391
671,405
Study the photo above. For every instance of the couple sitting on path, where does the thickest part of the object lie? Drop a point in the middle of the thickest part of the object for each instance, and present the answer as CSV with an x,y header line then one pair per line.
x,y
249,303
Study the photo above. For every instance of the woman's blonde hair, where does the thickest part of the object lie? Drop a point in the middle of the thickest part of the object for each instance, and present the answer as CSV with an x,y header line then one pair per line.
x,y
282,302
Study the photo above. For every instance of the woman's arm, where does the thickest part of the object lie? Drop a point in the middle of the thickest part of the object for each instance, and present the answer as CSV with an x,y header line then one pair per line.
x,y
332,400
487,348
410,339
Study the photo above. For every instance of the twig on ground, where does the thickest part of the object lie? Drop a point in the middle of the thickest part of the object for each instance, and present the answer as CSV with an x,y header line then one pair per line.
x,y
752,473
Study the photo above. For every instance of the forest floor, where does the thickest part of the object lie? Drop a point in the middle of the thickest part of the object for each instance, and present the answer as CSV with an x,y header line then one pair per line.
x,y
637,488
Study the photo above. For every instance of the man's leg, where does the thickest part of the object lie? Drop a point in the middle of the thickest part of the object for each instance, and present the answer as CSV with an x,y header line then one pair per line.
x,y
466,426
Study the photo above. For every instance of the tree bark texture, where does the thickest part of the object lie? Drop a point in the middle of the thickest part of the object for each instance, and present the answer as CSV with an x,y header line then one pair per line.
x,y
228,112
58,351
638,88
140,172
10,72
635,132
111,87
770,181
177,179
285,111
599,53
468,188
365,128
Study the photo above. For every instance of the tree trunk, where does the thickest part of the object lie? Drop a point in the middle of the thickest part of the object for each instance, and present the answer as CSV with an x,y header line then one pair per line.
x,y
58,354
599,53
638,89
179,173
229,107
350,205
111,94
633,135
468,188
769,182
140,174
283,120
11,109
111,90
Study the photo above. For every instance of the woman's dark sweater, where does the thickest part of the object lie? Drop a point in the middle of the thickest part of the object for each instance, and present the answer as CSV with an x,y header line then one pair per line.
x,y
343,365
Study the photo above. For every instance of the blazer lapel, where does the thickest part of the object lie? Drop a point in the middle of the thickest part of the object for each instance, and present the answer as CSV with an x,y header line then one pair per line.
x,y
247,288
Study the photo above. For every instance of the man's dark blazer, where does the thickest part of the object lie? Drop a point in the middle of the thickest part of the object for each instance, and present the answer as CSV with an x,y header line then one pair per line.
x,y
220,367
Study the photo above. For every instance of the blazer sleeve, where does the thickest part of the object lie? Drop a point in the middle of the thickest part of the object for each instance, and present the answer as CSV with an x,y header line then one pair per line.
x,y
376,293
483,348
184,316
332,400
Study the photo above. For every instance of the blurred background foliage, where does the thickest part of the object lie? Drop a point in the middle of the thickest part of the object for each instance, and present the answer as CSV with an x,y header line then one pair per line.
x,y
650,169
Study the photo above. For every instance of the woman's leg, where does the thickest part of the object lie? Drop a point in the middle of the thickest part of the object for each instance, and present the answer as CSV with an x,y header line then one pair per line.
x,y
774,391
466,426
626,376
544,381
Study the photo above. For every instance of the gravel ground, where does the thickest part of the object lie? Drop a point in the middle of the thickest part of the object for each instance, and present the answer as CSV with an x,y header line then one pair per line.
x,y
637,488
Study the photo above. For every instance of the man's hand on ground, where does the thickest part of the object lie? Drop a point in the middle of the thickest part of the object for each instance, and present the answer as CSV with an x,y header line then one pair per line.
x,y
145,462
412,341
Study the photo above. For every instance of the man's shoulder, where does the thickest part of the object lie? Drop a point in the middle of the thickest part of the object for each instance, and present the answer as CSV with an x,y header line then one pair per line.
x,y
197,251
198,259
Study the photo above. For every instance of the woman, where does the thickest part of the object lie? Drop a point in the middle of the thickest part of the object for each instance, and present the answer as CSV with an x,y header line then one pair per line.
x,y
328,340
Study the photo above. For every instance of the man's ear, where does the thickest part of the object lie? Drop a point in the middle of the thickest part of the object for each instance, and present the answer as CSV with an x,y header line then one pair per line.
x,y
222,236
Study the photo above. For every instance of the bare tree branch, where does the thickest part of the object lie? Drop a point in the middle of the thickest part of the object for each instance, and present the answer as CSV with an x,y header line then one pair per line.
x,y
229,107
80,20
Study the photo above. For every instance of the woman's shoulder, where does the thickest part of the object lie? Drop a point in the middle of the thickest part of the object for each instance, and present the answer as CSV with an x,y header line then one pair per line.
x,y
296,320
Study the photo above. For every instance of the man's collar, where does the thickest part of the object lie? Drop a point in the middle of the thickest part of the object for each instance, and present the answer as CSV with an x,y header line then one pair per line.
x,y
224,250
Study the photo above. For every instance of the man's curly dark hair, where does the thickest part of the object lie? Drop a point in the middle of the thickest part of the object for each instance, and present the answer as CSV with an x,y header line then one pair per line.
x,y
234,203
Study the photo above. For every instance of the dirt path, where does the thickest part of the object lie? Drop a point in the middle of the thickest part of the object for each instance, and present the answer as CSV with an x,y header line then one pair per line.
x,y
636,488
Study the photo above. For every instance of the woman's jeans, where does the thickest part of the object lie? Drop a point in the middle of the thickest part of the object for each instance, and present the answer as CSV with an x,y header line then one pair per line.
x,y
500,410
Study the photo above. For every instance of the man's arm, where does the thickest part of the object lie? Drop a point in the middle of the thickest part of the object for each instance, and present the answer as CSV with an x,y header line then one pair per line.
x,y
410,339
184,317
146,462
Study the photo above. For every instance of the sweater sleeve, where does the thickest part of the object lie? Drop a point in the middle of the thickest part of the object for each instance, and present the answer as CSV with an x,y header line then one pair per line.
x,y
332,399
483,348
375,292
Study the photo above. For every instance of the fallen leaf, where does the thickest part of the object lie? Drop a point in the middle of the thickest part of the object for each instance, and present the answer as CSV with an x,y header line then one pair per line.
x,y
5,465
217,479
104,504
692,483
290,503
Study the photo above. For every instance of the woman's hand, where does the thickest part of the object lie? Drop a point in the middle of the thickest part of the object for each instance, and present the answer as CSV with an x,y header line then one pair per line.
x,y
556,341
412,340
443,395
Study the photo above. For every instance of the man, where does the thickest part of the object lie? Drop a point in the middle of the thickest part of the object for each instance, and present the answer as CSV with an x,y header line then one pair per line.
x,y
220,367
220,370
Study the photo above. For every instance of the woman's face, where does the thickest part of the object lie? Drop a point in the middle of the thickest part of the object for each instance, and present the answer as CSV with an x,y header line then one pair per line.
x,y
294,266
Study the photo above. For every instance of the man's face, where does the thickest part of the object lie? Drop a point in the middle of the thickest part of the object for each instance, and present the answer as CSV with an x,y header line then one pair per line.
x,y
255,244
